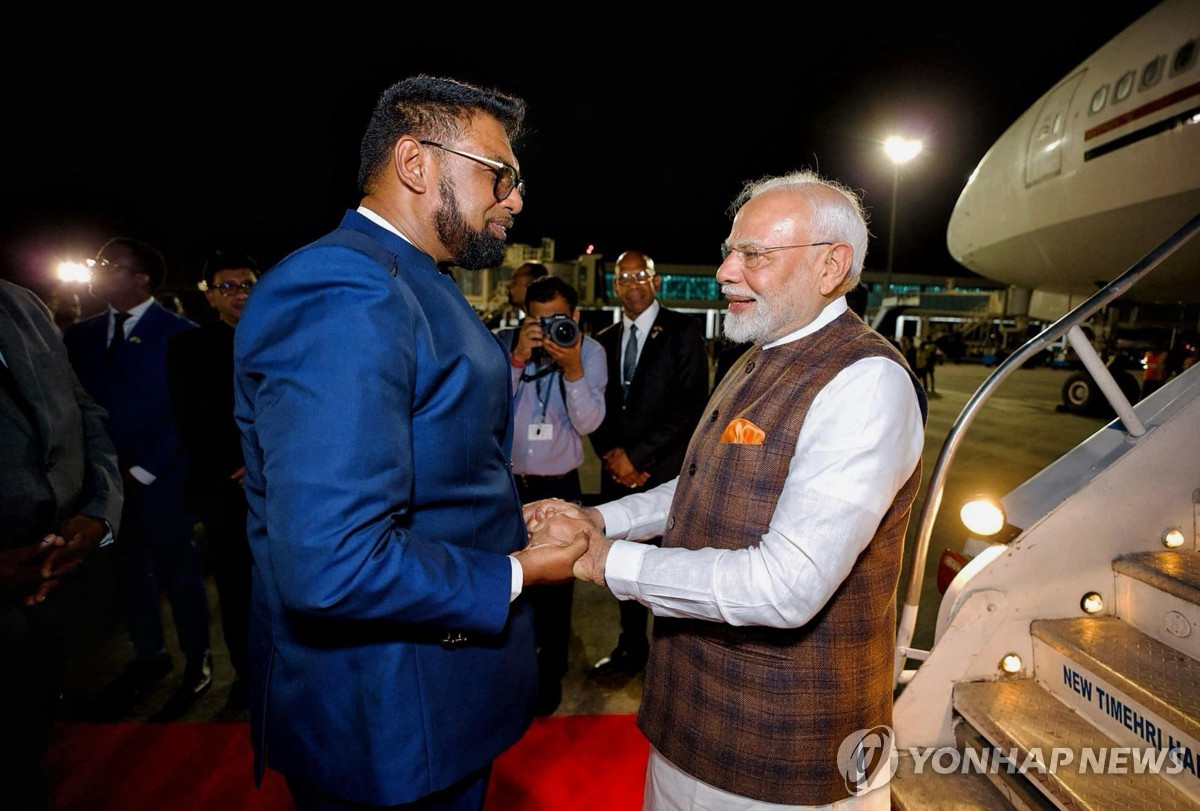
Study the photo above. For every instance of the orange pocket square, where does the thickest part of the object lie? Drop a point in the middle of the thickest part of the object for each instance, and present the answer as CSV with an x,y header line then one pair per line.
x,y
743,432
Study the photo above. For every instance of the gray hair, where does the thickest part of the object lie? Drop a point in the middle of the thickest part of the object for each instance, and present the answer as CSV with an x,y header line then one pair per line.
x,y
837,217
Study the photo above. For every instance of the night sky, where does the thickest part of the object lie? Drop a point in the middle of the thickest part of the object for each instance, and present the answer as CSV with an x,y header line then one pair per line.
x,y
220,134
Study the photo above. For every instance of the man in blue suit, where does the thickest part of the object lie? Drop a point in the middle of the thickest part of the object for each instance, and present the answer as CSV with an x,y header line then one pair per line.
x,y
120,357
391,656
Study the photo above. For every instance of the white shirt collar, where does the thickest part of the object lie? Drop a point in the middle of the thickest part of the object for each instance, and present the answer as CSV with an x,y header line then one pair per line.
x,y
135,312
382,223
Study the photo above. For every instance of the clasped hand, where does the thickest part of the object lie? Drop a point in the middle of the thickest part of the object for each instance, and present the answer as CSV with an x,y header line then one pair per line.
x,y
553,517
29,573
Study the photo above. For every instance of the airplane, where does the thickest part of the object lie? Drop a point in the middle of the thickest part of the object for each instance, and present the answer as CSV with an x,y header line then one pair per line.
x,y
1113,148
1065,665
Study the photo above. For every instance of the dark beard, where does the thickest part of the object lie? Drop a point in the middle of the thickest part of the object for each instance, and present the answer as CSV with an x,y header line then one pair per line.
x,y
473,250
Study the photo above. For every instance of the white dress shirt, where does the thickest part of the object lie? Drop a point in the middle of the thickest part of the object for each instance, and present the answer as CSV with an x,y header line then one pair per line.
x,y
860,442
135,315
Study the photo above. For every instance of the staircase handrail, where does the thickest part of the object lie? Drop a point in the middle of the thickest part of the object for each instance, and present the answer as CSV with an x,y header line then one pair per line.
x,y
1069,323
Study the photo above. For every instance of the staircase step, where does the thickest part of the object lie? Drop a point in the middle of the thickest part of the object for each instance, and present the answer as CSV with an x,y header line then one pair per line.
x,y
1020,715
1159,593
1130,665
930,791
1176,573
1016,792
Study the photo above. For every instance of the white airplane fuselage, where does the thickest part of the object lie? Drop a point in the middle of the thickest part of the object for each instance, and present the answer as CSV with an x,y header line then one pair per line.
x,y
1096,173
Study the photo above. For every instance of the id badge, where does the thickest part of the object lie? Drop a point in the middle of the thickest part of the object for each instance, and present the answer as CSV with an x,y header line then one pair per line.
x,y
540,431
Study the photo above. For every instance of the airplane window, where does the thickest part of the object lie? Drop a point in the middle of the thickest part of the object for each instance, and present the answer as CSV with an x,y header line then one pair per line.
x,y
1124,85
1099,97
1185,57
1152,72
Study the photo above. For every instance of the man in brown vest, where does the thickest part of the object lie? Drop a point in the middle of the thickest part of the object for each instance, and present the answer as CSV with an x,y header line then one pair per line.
x,y
774,590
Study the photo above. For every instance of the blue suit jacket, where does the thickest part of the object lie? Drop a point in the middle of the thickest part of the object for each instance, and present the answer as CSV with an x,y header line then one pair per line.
x,y
374,410
133,389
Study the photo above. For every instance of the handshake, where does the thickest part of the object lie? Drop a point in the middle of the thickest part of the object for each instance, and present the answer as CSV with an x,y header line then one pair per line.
x,y
565,541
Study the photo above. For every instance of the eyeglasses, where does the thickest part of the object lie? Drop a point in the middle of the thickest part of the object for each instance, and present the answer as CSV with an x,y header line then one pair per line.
x,y
753,257
110,267
507,178
637,277
228,289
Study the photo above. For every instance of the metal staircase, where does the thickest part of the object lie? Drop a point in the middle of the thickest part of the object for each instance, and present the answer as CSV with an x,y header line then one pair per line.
x,y
1065,671
1109,719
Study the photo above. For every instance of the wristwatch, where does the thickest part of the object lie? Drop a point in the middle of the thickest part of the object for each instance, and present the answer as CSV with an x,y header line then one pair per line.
x,y
108,534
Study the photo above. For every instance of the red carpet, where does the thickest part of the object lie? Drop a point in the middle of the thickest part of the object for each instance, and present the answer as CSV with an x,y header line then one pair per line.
x,y
566,763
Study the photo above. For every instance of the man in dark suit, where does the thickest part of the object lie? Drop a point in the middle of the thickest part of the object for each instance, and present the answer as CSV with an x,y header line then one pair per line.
x,y
60,499
120,357
660,361
391,654
200,382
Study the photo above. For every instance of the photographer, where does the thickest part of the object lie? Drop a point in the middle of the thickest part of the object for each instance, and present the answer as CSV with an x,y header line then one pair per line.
x,y
558,379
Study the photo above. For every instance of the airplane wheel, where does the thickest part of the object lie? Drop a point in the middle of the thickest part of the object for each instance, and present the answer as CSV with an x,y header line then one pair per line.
x,y
1080,395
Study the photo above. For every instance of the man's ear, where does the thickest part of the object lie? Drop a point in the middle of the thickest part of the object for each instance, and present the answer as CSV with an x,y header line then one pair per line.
x,y
411,161
836,266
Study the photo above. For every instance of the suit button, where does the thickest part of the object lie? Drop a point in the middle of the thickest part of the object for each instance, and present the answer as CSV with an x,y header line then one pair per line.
x,y
692,469
713,416
749,367
671,522
454,639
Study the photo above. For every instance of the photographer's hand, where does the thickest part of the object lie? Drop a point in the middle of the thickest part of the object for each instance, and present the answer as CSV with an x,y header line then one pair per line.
x,y
528,338
569,358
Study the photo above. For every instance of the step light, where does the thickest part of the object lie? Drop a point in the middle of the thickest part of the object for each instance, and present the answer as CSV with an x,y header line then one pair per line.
x,y
1011,663
983,516
1092,603
1173,538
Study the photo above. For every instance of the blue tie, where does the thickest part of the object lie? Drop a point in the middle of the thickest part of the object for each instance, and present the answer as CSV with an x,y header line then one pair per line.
x,y
118,336
630,363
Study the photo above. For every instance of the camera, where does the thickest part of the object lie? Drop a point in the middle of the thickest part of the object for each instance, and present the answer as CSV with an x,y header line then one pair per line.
x,y
560,329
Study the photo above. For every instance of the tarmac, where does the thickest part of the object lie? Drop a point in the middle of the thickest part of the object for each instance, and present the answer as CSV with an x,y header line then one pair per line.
x,y
1014,435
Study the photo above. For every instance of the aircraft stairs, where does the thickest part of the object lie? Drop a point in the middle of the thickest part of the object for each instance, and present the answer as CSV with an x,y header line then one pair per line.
x,y
1065,669
1122,691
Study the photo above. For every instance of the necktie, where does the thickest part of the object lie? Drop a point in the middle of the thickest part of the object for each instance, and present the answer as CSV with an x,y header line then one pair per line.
x,y
118,336
630,362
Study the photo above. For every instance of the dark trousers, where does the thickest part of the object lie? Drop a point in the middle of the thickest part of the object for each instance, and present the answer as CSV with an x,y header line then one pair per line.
x,y
635,617
155,554
551,601
228,553
30,681
467,794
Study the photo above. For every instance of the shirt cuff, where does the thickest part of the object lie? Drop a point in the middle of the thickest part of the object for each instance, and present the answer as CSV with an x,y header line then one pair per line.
x,y
616,519
518,579
142,475
622,567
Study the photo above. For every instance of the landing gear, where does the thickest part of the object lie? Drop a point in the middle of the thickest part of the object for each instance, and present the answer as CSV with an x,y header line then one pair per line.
x,y
1081,395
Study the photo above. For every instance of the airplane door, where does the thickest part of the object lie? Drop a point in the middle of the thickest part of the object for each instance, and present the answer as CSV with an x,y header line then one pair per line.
x,y
1043,157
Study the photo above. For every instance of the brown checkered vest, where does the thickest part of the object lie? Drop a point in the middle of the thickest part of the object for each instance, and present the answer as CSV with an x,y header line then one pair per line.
x,y
756,711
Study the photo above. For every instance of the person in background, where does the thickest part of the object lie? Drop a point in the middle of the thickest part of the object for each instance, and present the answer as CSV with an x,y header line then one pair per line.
x,y
559,395
392,655
659,359
52,518
516,286
120,356
774,592
200,384
172,303
64,305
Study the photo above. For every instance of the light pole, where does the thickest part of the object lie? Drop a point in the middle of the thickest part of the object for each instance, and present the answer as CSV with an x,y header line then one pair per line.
x,y
900,150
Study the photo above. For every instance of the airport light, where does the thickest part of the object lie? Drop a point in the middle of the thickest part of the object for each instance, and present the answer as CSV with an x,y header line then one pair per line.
x,y
1173,538
74,272
983,516
900,150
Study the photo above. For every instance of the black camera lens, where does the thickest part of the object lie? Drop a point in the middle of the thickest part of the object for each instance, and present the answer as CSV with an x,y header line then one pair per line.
x,y
560,329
